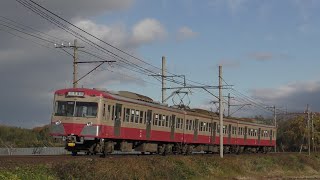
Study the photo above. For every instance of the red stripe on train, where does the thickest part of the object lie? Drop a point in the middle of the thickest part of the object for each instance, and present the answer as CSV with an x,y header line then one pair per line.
x,y
164,136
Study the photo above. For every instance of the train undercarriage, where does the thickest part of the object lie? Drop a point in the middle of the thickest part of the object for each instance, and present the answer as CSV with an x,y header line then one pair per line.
x,y
104,147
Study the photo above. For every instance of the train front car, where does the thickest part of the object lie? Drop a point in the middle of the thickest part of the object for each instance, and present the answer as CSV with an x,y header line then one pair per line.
x,y
76,118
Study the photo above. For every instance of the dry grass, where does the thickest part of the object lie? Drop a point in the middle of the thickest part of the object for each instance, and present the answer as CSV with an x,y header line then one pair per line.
x,y
183,167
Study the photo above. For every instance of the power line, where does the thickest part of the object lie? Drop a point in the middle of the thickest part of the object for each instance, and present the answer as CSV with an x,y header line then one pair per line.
x,y
46,16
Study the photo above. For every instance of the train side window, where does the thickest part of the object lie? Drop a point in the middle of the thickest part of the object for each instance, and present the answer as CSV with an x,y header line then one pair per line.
x,y
141,117
224,130
177,123
104,110
167,121
127,115
160,119
182,123
132,115
192,125
136,120
156,117
108,114
145,117
187,124
112,116
124,114
163,120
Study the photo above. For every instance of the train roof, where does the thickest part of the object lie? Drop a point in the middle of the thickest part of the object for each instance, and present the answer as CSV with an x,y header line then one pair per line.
x,y
132,97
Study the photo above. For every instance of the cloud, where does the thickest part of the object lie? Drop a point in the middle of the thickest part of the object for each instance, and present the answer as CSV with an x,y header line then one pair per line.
x,y
267,56
226,63
262,56
30,73
148,30
186,33
294,96
233,6
82,9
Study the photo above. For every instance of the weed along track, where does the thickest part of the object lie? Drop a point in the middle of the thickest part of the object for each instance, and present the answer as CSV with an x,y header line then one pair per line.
x,y
273,165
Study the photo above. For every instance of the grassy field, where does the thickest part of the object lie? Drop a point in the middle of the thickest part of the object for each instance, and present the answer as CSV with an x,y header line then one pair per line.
x,y
269,166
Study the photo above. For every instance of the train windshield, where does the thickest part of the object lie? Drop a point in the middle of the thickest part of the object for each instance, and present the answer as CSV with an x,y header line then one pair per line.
x,y
76,109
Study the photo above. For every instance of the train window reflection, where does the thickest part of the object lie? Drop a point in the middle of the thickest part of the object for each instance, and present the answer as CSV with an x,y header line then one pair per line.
x,y
86,109
76,109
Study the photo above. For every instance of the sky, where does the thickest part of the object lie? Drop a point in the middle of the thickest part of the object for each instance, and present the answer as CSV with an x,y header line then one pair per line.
x,y
268,50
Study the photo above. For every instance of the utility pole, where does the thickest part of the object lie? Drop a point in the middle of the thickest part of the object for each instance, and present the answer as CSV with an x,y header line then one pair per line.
x,y
308,125
221,111
163,79
275,125
229,104
312,131
75,59
274,122
75,48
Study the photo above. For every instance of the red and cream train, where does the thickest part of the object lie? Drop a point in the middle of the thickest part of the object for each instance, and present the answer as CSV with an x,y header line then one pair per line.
x,y
98,121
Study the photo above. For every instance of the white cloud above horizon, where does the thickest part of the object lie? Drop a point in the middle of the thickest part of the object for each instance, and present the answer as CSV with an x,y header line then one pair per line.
x,y
185,33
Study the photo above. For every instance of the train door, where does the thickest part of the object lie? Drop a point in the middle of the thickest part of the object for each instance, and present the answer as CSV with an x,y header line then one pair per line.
x,y
259,135
245,134
229,133
196,123
173,126
148,124
271,136
117,120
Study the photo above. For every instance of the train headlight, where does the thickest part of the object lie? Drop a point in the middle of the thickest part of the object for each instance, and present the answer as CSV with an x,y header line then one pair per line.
x,y
58,122
89,123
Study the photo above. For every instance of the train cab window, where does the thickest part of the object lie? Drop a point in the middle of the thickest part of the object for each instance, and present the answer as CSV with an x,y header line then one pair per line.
x,y
218,129
132,115
141,117
210,125
64,108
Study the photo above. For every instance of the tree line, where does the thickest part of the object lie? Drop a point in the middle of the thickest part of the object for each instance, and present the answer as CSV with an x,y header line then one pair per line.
x,y
292,134
22,137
